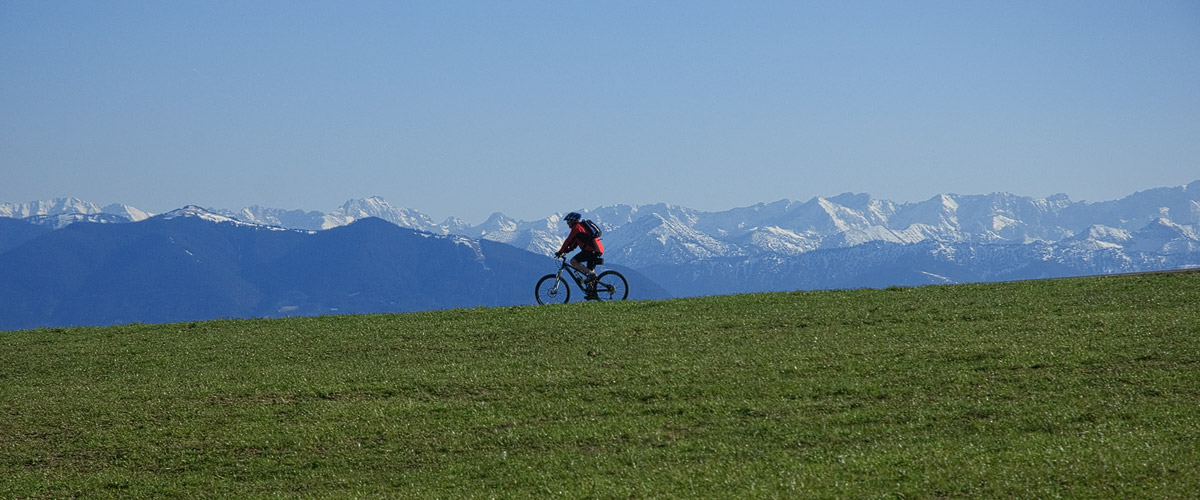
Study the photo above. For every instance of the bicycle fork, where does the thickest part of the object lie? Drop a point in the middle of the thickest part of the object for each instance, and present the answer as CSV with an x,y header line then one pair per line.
x,y
558,281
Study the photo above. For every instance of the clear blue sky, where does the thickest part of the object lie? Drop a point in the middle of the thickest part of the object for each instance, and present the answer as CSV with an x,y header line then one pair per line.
x,y
468,107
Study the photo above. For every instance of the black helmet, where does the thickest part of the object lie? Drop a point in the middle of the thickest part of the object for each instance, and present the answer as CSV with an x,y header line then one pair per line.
x,y
573,217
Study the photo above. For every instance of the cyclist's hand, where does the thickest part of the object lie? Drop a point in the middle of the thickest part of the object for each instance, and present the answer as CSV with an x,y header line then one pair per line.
x,y
558,255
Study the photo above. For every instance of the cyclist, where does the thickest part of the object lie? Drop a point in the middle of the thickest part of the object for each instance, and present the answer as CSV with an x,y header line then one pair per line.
x,y
590,249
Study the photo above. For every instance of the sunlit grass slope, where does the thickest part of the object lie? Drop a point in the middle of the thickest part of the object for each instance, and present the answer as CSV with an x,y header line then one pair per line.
x,y
1079,388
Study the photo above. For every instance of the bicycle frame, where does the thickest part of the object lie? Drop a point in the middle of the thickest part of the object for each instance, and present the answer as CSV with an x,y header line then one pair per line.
x,y
574,273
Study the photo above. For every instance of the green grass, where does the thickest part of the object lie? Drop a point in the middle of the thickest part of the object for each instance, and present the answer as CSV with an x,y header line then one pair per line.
x,y
1078,388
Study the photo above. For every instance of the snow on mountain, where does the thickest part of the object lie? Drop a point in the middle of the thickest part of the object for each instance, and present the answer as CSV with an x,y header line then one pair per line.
x,y
935,218
346,214
543,236
873,211
1099,237
297,219
539,242
1152,221
817,216
193,211
738,221
56,206
1003,217
1164,237
454,225
377,207
613,216
656,239
498,222
126,211
776,240
1180,205
201,213
61,212
60,221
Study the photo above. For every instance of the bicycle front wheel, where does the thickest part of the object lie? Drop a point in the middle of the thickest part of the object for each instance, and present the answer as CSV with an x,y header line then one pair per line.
x,y
611,285
552,289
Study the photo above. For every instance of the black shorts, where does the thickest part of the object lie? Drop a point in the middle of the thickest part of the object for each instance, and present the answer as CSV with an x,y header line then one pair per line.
x,y
592,259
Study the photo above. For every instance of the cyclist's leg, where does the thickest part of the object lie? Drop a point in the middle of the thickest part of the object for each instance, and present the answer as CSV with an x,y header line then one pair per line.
x,y
585,262
589,260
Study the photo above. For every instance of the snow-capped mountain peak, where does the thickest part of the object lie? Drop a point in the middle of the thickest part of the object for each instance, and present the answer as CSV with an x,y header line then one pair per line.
x,y
774,239
659,239
131,213
55,206
61,212
376,206
69,206
498,222
197,212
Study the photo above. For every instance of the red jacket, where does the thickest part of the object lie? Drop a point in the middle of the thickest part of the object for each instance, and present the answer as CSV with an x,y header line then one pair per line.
x,y
579,238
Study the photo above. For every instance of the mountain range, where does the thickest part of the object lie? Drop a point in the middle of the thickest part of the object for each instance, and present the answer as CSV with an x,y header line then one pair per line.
x,y
193,264
845,241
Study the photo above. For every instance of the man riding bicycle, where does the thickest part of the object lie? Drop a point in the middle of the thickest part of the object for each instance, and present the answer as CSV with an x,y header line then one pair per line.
x,y
591,250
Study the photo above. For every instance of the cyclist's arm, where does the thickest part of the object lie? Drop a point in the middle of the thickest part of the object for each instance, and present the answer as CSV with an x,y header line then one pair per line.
x,y
572,241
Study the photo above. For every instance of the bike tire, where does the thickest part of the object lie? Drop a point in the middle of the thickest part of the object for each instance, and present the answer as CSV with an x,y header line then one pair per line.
x,y
547,293
611,285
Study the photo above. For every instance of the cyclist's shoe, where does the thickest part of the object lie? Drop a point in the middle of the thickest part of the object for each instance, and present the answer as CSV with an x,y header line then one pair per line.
x,y
591,295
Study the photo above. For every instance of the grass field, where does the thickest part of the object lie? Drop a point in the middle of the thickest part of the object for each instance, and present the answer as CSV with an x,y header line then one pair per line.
x,y
1076,388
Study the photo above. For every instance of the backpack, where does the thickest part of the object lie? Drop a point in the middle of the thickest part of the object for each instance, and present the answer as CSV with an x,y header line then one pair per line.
x,y
592,228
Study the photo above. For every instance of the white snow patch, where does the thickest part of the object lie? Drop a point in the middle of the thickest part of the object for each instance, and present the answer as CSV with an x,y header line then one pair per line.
x,y
938,277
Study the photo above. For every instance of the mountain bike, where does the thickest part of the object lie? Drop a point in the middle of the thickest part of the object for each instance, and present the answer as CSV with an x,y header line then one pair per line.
x,y
553,288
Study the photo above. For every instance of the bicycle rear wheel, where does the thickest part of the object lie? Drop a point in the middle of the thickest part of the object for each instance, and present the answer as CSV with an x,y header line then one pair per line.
x,y
552,289
611,285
